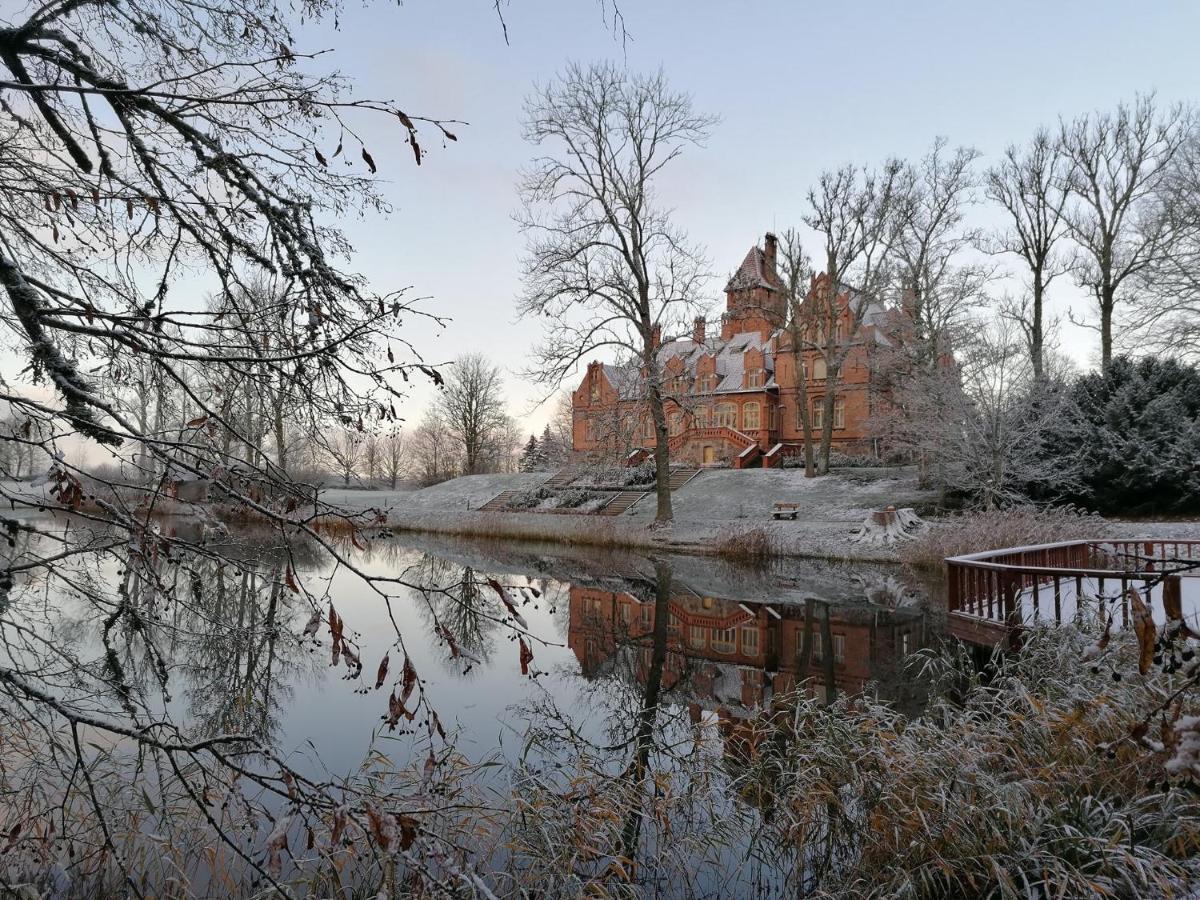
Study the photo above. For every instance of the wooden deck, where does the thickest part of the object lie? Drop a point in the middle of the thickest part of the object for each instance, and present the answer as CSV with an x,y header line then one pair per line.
x,y
991,596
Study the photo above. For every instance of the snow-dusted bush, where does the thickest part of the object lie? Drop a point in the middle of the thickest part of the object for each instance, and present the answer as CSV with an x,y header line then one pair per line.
x,y
529,499
616,477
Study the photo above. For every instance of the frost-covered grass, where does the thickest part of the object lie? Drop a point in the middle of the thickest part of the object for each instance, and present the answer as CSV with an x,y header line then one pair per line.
x,y
1014,526
1023,783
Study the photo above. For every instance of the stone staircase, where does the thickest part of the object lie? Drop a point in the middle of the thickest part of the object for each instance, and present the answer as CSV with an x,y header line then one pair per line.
x,y
499,502
621,502
680,477
626,499
617,505
560,479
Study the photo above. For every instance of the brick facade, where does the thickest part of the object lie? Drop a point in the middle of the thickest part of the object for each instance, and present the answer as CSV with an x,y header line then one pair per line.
x,y
733,398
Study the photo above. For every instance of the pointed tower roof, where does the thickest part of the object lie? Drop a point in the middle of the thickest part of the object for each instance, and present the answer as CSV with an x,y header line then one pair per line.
x,y
754,272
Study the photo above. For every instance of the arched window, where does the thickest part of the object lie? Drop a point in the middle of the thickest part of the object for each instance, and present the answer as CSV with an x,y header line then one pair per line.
x,y
675,423
751,417
725,416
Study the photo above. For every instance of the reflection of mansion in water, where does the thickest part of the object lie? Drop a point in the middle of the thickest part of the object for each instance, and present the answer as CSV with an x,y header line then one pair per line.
x,y
724,653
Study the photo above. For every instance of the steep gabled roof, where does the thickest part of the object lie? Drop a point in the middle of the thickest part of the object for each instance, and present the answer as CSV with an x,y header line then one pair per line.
x,y
753,273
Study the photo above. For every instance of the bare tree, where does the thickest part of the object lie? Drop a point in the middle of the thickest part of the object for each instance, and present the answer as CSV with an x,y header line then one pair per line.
x,y
145,144
433,451
1028,183
472,407
393,453
1166,316
606,267
801,329
344,451
857,216
1115,167
939,285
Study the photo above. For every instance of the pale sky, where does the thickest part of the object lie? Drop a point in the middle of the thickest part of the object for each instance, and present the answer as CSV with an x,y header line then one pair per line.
x,y
799,87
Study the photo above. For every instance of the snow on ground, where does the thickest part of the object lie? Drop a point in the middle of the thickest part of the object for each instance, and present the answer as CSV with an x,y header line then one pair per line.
x,y
457,495
714,503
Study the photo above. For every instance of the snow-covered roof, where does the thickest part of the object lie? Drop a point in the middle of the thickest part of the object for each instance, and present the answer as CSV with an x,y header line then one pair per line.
x,y
730,363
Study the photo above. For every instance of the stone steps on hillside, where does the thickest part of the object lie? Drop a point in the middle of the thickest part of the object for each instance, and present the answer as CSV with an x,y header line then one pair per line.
x,y
499,503
621,502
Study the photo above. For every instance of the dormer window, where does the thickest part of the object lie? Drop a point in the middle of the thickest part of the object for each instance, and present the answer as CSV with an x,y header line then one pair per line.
x,y
756,378
708,383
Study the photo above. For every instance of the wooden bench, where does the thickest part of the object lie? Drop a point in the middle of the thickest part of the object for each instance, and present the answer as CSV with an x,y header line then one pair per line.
x,y
785,511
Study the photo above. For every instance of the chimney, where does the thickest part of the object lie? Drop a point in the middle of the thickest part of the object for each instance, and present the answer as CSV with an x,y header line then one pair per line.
x,y
698,330
770,248
656,337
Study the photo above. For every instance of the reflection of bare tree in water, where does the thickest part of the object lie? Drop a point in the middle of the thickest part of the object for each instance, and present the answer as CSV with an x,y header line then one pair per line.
x,y
647,717
464,604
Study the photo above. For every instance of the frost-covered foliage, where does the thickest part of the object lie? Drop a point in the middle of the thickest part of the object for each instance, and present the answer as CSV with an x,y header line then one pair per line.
x,y
617,477
1135,429
1014,526
1019,784
547,498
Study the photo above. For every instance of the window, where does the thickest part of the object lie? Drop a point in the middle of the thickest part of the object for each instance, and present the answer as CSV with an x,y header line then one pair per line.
x,y
723,640
756,378
905,649
590,431
595,392
625,614
702,416
839,647
672,624
839,413
751,417
679,384
818,413
819,370
647,617
708,383
648,429
676,423
750,640
725,416
697,637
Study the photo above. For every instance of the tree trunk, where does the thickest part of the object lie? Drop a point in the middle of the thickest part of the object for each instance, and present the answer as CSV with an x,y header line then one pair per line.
x,y
810,467
280,438
1036,337
1107,302
662,458
827,418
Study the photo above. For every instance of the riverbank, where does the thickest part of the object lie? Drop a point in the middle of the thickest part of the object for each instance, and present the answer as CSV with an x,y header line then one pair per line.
x,y
712,507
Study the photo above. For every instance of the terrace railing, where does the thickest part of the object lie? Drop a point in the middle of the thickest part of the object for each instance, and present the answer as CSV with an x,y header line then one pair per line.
x,y
1058,582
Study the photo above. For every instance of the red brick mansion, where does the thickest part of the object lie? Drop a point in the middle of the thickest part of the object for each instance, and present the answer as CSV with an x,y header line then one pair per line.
x,y
733,398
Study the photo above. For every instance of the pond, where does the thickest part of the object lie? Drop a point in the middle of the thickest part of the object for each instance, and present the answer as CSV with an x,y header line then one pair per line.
x,y
503,662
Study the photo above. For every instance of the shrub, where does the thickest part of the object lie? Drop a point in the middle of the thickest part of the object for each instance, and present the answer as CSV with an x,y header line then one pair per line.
x,y
530,499
1135,430
1015,526
753,546
616,477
